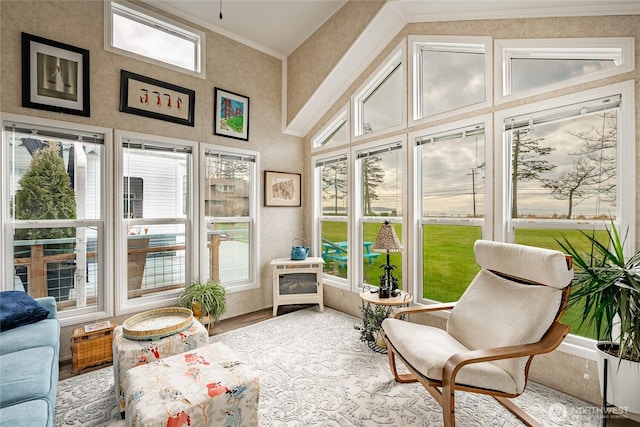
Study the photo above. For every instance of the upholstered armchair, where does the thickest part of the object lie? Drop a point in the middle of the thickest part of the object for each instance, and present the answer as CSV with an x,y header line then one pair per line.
x,y
509,313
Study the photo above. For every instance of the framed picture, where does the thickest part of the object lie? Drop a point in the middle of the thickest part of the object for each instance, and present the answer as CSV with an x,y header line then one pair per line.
x,y
55,76
282,189
231,114
153,98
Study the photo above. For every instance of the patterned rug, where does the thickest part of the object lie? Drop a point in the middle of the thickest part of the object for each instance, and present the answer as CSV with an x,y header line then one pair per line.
x,y
314,371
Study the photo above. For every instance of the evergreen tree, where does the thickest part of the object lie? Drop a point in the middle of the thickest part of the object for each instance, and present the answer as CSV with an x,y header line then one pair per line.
x,y
334,180
372,176
527,163
45,193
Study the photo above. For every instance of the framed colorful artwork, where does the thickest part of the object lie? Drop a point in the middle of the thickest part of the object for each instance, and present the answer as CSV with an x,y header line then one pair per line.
x,y
231,114
153,98
55,76
282,189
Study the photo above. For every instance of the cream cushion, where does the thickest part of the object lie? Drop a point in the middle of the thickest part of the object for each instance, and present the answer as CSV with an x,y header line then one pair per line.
x,y
493,312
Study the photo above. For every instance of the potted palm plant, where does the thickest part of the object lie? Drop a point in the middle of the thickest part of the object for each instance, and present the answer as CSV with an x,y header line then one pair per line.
x,y
607,287
207,300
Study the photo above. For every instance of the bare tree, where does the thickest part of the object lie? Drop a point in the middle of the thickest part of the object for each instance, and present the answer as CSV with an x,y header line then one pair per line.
x,y
595,171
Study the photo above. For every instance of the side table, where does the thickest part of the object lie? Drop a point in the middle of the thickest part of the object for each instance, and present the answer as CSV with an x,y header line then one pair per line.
x,y
374,311
91,348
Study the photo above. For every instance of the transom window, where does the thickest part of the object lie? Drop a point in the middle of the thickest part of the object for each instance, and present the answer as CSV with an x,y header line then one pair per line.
x,y
379,105
150,37
449,74
336,133
528,67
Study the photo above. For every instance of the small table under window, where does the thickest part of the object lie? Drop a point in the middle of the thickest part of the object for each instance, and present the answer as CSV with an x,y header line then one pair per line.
x,y
374,311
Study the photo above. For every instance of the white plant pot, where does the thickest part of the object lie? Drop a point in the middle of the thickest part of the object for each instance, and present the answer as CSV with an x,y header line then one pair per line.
x,y
623,381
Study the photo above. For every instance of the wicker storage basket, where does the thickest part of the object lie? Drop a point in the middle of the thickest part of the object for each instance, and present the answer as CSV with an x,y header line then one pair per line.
x,y
91,348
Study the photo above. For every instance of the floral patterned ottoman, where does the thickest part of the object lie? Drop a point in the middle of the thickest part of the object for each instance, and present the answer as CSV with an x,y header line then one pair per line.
x,y
208,386
130,353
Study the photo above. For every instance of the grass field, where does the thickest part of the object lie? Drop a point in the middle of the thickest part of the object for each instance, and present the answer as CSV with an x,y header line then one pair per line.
x,y
449,263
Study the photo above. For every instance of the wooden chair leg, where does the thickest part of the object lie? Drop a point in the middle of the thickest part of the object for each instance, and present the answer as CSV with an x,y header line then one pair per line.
x,y
448,407
518,412
401,378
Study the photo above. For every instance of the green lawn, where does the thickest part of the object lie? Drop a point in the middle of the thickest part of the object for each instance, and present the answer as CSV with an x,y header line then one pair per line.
x,y
449,263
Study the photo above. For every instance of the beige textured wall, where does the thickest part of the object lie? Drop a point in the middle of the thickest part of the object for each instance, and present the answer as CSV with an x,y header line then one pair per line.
x,y
562,371
230,65
312,61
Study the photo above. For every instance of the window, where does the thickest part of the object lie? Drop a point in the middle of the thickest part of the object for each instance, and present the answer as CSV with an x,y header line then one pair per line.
x,y
379,105
56,209
336,133
139,33
449,74
565,162
380,189
157,246
528,67
230,217
451,193
331,175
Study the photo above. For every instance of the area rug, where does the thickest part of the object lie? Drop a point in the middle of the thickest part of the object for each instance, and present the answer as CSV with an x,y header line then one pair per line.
x,y
314,371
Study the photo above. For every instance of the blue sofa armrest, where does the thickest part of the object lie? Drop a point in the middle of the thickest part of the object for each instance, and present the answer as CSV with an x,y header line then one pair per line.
x,y
50,304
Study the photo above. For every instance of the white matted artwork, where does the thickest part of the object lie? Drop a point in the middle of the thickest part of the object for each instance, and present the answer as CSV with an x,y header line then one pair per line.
x,y
55,76
282,189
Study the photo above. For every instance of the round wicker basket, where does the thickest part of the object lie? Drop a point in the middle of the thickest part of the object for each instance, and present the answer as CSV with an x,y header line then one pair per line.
x,y
157,323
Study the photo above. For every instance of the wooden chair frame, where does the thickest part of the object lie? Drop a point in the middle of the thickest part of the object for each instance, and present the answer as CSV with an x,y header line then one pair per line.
x,y
444,391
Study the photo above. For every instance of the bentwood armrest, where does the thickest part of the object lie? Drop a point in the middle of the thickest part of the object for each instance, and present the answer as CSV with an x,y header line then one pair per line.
x,y
549,342
422,309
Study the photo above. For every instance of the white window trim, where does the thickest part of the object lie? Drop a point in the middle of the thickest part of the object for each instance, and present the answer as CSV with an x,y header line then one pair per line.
x,y
626,158
254,217
416,222
396,58
414,67
122,304
162,21
357,213
562,48
79,315
316,237
327,131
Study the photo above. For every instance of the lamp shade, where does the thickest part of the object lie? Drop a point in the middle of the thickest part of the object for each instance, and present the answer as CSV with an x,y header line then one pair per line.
x,y
387,240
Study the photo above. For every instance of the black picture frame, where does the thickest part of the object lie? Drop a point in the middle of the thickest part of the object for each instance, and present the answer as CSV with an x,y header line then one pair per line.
x,y
55,76
282,189
156,99
231,105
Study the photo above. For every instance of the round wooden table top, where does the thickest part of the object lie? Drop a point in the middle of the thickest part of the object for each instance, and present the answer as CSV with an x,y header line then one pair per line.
x,y
374,298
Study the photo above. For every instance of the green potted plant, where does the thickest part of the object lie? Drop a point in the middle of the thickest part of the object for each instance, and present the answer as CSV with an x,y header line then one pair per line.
x,y
607,288
207,300
45,193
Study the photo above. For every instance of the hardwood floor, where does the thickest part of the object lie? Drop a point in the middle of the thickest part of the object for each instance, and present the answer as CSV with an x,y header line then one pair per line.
x,y
223,326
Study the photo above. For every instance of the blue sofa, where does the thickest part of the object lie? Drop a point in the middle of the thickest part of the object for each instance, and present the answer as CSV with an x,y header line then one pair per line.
x,y
29,371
